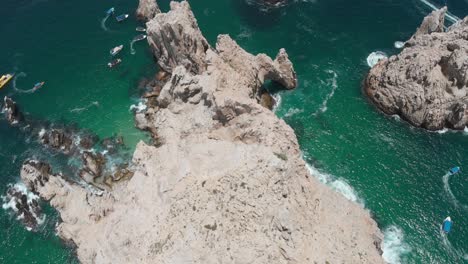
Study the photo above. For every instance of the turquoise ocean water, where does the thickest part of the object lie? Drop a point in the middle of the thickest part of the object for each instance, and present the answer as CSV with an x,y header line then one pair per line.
x,y
395,171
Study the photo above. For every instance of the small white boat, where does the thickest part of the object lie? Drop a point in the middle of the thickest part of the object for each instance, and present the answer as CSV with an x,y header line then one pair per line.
x,y
121,18
139,37
116,50
140,29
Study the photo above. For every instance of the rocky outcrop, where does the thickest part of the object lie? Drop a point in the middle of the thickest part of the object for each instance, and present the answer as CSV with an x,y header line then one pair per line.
x,y
25,205
226,184
11,111
147,9
426,84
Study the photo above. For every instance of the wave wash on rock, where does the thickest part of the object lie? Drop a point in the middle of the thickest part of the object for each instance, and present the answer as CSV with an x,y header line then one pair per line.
x,y
226,182
426,84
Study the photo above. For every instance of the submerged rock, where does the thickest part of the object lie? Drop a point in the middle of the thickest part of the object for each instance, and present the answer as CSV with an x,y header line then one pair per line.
x,y
225,184
11,111
426,84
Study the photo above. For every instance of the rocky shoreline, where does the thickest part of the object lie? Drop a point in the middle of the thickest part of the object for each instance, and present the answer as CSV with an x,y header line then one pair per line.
x,y
426,83
224,181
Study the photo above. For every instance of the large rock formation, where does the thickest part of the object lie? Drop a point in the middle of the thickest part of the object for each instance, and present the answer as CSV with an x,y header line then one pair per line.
x,y
427,82
226,184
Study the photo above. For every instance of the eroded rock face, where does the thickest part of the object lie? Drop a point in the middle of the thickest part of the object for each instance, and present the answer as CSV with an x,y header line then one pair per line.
x,y
147,9
226,184
426,83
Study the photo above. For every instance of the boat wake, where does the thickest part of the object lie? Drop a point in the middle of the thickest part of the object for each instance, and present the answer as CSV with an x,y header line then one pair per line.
x,y
338,185
103,22
132,50
81,109
393,245
19,75
446,179
455,253
451,17
332,82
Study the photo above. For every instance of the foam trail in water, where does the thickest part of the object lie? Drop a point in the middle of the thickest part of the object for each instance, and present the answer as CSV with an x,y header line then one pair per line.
x,y
132,50
103,22
323,108
447,189
21,74
451,17
293,111
393,245
81,109
338,185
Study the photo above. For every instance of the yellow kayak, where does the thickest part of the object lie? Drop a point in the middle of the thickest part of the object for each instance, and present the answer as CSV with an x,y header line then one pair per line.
x,y
5,79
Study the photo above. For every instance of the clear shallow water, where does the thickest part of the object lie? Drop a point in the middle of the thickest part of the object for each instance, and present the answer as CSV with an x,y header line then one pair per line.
x,y
395,171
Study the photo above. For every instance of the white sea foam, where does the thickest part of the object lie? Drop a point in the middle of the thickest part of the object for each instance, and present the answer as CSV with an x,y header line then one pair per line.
x,y
338,185
9,203
293,111
42,132
332,82
375,57
451,17
393,245
398,44
278,99
140,107
443,130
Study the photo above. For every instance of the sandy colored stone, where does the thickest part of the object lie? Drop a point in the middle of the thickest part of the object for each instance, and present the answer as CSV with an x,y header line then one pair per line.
x,y
227,183
426,84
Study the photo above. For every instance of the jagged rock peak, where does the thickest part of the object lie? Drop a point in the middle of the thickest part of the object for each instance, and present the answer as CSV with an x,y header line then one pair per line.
x,y
175,39
259,67
434,22
147,10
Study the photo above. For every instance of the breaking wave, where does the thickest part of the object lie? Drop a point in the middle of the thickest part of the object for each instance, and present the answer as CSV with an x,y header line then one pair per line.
x,y
338,185
138,108
13,202
393,245
278,99
398,44
375,57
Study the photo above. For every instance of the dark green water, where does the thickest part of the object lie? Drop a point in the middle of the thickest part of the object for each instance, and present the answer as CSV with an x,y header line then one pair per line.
x,y
395,171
